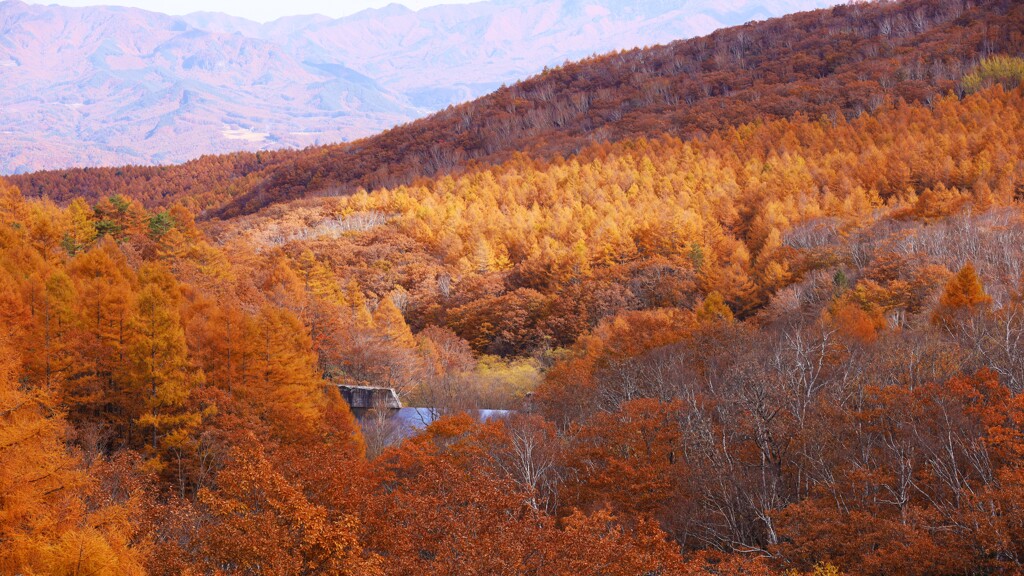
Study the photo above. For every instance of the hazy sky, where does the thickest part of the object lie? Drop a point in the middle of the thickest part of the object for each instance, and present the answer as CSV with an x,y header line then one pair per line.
x,y
259,10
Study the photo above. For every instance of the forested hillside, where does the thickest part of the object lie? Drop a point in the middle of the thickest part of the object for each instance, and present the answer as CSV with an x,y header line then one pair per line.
x,y
841,61
877,264
109,85
789,345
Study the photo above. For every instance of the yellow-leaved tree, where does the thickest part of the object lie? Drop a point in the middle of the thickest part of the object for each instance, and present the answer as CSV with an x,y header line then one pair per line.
x,y
964,294
160,372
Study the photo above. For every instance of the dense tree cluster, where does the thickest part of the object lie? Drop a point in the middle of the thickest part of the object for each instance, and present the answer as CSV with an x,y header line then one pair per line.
x,y
793,345
531,255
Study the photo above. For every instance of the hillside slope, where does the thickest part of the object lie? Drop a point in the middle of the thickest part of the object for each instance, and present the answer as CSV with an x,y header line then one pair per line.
x,y
782,346
109,85
839,61
766,329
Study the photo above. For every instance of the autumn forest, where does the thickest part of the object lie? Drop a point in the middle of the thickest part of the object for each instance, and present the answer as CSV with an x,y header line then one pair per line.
x,y
748,304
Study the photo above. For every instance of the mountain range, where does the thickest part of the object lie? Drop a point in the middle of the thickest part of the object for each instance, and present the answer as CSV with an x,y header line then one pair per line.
x,y
114,86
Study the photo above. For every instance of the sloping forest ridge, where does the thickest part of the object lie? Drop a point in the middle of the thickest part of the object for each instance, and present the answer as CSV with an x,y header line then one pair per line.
x,y
755,301
109,85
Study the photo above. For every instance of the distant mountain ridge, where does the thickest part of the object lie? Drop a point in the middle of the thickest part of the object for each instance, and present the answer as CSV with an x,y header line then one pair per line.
x,y
113,86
